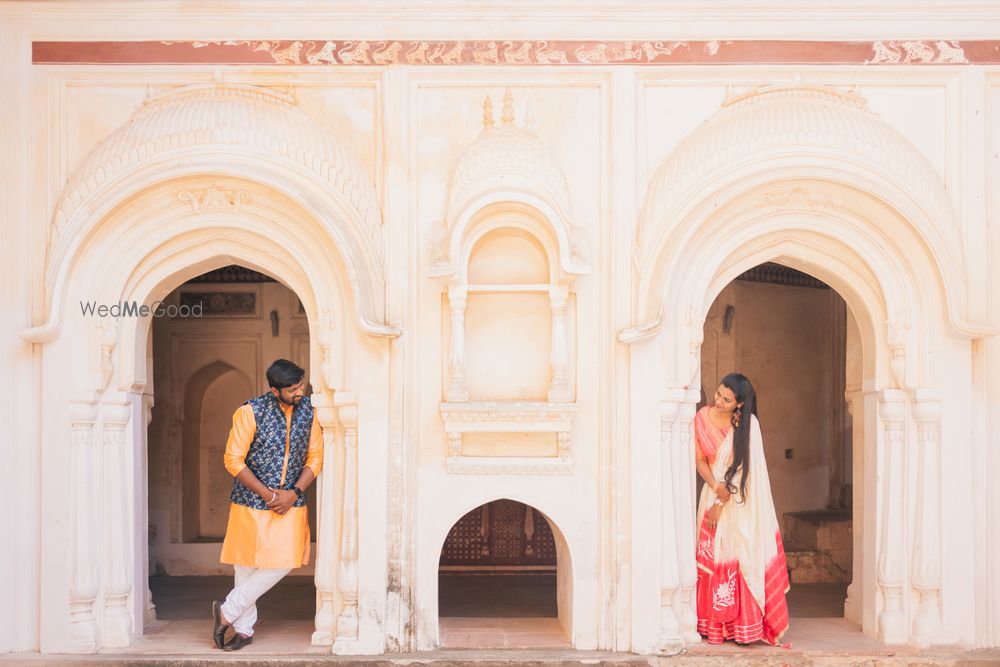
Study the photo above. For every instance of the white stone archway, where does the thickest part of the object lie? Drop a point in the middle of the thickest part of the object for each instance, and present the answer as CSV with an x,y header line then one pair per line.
x,y
567,582
833,191
199,179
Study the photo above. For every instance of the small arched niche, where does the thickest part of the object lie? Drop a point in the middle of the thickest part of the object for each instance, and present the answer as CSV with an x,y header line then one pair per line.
x,y
508,255
509,372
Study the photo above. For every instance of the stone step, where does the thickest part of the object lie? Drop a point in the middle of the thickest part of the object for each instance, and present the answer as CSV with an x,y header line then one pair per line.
x,y
811,566
729,656
825,530
479,658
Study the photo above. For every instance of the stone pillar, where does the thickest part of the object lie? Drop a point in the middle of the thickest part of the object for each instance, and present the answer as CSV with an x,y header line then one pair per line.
x,y
671,641
892,621
84,582
564,442
117,494
457,390
926,567
559,359
348,580
326,525
686,510
454,443
149,609
852,611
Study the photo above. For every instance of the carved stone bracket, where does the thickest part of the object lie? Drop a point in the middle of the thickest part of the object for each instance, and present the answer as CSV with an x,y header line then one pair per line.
x,y
107,328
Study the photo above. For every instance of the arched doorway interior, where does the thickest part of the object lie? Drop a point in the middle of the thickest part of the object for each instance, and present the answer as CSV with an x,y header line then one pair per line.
x,y
503,580
215,336
794,336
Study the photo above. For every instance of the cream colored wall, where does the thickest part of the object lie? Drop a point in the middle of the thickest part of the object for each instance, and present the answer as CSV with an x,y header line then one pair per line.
x,y
785,341
609,129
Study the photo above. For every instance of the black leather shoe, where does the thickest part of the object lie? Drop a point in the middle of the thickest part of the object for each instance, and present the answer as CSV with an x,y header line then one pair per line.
x,y
218,627
237,642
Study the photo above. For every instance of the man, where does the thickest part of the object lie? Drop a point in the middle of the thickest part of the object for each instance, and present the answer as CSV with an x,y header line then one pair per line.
x,y
274,451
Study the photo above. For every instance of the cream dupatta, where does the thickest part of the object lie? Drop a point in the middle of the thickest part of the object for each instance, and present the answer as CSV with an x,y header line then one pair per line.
x,y
747,529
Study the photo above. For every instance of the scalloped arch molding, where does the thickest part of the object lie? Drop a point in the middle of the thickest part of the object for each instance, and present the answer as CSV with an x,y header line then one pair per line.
x,y
816,132
266,138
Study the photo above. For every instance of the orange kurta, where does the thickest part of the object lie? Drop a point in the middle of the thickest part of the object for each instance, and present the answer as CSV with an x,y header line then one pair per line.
x,y
262,538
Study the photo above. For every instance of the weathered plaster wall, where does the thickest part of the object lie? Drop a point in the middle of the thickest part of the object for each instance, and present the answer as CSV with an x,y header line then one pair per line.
x,y
608,128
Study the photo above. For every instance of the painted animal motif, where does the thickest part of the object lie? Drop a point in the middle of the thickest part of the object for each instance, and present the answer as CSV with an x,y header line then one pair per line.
x,y
950,52
325,55
519,55
655,49
288,55
885,53
487,54
626,52
437,52
544,55
418,54
917,52
454,56
387,55
355,54
595,56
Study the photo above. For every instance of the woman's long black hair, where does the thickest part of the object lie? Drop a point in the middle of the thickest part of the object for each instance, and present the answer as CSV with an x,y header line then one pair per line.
x,y
745,395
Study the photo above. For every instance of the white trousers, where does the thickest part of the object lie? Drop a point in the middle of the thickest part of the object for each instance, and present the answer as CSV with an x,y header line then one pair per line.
x,y
240,607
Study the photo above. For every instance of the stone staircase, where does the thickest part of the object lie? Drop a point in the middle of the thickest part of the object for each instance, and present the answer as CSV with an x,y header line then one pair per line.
x,y
819,546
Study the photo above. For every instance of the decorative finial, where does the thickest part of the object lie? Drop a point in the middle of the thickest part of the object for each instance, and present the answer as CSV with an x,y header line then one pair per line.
x,y
487,113
508,108
529,115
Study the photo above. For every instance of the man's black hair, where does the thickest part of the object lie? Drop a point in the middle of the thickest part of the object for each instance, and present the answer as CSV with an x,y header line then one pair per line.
x,y
283,373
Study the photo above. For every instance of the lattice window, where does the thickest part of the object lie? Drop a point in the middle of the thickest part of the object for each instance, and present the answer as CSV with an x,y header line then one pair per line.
x,y
504,532
464,544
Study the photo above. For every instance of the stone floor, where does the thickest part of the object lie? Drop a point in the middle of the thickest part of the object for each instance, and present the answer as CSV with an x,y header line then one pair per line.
x,y
520,615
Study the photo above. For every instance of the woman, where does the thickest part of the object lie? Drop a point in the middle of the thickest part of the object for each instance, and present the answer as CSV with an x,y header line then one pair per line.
x,y
742,577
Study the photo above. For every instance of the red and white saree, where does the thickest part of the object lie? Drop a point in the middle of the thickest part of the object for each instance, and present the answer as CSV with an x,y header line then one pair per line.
x,y
742,576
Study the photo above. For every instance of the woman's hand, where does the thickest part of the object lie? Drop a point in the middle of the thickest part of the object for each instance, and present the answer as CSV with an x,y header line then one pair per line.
x,y
713,514
722,491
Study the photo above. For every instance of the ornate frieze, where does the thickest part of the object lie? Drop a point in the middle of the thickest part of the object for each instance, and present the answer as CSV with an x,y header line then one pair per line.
x,y
519,52
214,198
